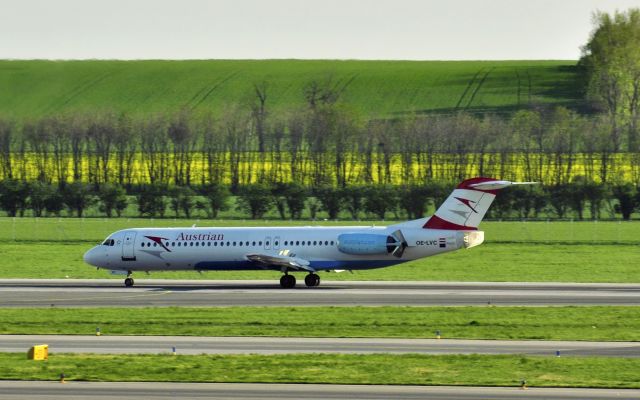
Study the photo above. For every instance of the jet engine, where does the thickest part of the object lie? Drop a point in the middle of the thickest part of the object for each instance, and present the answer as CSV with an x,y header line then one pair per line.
x,y
372,243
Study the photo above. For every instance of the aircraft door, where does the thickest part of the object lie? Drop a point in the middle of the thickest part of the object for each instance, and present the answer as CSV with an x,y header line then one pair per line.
x,y
128,249
267,243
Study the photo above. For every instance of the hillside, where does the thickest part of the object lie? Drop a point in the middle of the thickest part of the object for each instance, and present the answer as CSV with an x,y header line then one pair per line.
x,y
376,88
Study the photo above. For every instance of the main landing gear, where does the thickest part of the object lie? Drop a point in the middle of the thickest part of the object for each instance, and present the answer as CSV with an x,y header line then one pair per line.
x,y
289,281
312,280
128,282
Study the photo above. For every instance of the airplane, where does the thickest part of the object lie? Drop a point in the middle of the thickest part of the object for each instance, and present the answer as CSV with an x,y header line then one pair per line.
x,y
307,249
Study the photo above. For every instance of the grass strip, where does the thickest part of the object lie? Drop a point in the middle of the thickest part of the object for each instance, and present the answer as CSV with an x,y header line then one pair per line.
x,y
410,369
491,262
95,230
596,323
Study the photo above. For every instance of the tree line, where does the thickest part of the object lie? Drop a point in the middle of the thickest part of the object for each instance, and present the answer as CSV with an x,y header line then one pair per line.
x,y
323,144
580,199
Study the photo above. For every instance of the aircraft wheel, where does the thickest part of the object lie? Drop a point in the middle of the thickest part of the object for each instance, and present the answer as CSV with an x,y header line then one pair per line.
x,y
312,280
128,282
288,281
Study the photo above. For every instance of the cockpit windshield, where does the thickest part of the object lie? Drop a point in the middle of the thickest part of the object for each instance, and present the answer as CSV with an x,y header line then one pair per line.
x,y
108,242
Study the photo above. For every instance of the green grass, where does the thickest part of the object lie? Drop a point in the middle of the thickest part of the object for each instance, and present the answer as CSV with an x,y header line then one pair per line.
x,y
513,251
35,88
503,262
513,323
605,372
94,230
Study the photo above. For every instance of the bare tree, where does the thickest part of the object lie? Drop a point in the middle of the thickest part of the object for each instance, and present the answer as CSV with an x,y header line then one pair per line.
x,y
125,142
38,136
7,129
101,133
213,151
61,146
154,144
183,140
77,137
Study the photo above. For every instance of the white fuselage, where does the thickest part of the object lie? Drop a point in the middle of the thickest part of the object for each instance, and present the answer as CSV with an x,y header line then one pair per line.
x,y
200,249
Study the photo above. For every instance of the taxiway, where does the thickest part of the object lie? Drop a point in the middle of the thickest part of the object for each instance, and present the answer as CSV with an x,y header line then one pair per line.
x,y
190,345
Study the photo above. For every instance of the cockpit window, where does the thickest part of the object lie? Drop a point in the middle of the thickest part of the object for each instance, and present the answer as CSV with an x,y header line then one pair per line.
x,y
108,242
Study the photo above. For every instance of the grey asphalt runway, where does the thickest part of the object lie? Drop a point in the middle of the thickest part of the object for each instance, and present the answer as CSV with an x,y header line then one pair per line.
x,y
283,345
164,293
246,391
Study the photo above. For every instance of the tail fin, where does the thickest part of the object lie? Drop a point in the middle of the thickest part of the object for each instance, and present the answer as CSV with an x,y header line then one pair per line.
x,y
467,205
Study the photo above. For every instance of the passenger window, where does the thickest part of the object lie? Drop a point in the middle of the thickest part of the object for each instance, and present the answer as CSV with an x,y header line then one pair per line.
x,y
247,243
253,243
191,244
197,244
297,243
234,243
215,244
276,243
326,243
332,242
260,243
240,243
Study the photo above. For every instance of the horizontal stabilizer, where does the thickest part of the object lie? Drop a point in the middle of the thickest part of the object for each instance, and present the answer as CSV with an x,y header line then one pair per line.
x,y
495,185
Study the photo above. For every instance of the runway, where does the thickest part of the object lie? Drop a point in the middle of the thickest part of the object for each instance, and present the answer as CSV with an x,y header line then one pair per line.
x,y
165,293
245,391
281,345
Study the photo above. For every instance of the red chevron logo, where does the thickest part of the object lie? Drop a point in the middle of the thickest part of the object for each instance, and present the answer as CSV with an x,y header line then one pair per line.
x,y
467,203
157,239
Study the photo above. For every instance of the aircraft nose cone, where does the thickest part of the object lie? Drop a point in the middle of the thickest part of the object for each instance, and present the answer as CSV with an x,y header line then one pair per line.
x,y
90,257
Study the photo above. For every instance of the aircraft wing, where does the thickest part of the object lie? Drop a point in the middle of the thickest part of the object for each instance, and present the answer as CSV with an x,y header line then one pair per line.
x,y
283,259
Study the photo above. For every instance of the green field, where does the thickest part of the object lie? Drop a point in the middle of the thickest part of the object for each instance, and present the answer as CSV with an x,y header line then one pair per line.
x,y
513,251
94,230
489,262
513,323
36,88
333,368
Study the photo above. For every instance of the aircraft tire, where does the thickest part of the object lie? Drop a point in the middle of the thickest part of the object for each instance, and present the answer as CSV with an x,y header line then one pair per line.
x,y
128,282
288,281
312,280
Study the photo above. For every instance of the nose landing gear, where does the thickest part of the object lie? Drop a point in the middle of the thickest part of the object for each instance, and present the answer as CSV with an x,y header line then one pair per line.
x,y
128,282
